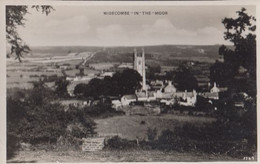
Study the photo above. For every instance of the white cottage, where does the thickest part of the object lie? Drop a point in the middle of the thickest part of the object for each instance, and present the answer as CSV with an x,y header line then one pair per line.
x,y
127,99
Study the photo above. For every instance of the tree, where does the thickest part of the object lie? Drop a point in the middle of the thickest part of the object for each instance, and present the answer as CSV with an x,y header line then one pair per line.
x,y
185,80
95,88
232,124
150,74
120,83
61,86
40,123
14,18
40,93
127,82
240,32
79,90
221,73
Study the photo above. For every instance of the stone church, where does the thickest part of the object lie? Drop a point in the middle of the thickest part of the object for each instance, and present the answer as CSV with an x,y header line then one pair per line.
x,y
139,66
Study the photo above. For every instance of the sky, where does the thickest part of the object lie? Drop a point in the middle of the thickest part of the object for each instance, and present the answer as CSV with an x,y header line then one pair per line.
x,y
88,26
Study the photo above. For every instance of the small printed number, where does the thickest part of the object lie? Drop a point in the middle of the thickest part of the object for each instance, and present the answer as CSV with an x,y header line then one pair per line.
x,y
248,158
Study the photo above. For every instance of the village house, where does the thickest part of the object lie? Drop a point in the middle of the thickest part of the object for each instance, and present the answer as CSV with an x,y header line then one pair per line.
x,y
170,88
213,94
116,104
189,98
156,85
166,94
75,103
127,99
215,89
104,74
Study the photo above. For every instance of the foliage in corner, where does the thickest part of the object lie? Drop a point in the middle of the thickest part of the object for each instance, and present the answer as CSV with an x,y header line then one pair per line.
x,y
15,16
240,32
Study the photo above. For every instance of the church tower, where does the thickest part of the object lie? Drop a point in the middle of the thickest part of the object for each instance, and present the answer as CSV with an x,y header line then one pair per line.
x,y
139,66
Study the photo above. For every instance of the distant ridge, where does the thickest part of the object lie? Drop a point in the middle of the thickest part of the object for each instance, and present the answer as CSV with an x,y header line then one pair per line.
x,y
207,53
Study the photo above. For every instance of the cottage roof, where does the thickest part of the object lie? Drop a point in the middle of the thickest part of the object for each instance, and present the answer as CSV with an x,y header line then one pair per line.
x,y
170,87
215,88
129,97
141,94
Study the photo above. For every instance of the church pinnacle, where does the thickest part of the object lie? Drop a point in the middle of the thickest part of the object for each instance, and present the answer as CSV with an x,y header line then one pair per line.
x,y
139,66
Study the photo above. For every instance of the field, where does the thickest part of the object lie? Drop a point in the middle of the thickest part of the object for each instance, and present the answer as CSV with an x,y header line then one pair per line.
x,y
162,53
129,127
134,126
22,75
115,156
43,61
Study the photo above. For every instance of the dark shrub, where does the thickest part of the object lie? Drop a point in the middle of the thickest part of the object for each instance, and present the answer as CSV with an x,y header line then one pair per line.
x,y
80,124
12,145
42,124
103,110
121,144
202,104
37,120
151,134
142,122
68,142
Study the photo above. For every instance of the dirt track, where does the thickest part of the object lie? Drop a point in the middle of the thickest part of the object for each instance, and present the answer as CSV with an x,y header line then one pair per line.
x,y
114,156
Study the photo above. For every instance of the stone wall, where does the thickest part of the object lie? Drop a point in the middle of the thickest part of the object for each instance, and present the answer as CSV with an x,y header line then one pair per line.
x,y
93,144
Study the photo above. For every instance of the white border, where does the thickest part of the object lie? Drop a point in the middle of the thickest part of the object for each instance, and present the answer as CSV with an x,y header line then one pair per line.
x,y
109,3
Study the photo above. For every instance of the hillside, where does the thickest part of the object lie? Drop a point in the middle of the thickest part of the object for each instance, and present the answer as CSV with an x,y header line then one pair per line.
x,y
163,53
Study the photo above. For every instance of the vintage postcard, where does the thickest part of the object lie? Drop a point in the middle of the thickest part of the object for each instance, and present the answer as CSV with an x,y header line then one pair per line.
x,y
129,82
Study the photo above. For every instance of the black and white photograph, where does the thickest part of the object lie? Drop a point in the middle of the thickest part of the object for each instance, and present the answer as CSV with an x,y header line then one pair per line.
x,y
130,82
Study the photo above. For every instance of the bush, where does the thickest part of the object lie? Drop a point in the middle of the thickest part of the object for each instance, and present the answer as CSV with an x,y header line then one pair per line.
x,y
118,143
151,134
42,124
202,104
142,122
103,110
51,78
68,142
12,145
39,121
169,141
213,138
79,123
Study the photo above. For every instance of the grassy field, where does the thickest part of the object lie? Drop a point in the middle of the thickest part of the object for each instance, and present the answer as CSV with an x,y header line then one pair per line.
x,y
134,126
115,156
21,75
129,127
42,60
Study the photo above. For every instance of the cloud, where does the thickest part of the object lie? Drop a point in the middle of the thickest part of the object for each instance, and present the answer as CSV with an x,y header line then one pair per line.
x,y
57,32
210,35
112,34
209,31
88,26
74,25
163,31
163,24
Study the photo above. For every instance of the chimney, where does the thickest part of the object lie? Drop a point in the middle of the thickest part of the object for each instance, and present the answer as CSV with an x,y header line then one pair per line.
x,y
170,82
